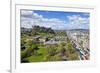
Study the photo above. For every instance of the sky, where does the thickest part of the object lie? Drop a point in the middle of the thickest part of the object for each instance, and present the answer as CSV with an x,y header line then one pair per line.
x,y
55,19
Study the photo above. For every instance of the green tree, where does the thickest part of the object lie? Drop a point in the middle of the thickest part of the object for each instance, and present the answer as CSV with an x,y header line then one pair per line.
x,y
51,50
31,49
70,48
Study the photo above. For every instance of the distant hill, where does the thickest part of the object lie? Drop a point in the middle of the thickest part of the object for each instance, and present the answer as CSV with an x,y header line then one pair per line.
x,y
42,29
79,30
24,30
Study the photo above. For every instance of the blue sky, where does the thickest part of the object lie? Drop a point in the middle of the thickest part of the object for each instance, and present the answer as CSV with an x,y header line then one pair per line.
x,y
60,15
55,19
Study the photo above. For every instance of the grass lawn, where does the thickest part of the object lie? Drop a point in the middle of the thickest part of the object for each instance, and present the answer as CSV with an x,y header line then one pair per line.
x,y
40,57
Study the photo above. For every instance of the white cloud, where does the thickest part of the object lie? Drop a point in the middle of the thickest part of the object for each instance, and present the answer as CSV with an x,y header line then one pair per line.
x,y
30,18
77,21
26,12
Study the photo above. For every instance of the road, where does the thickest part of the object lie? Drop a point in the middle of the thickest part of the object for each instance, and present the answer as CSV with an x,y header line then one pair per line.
x,y
83,54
